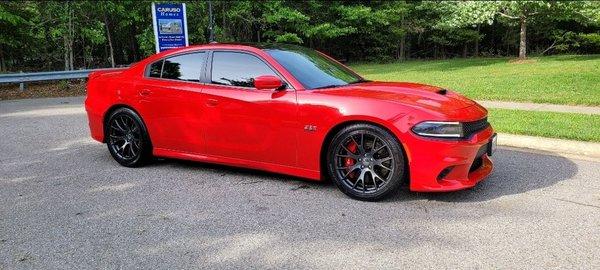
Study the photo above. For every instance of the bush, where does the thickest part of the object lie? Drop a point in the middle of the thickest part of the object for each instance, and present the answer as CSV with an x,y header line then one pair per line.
x,y
589,43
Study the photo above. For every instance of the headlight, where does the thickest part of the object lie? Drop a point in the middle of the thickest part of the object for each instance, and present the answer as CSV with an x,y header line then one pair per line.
x,y
439,129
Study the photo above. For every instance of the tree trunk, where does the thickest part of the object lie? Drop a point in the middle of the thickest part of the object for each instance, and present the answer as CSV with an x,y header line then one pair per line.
x,y
133,45
476,52
464,54
66,50
401,50
2,62
523,38
223,20
70,38
110,45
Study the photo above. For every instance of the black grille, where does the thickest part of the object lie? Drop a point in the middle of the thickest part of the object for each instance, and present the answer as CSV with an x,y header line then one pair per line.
x,y
470,128
476,164
478,158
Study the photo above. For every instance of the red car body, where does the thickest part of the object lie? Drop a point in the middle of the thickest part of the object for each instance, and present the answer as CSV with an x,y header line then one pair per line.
x,y
286,131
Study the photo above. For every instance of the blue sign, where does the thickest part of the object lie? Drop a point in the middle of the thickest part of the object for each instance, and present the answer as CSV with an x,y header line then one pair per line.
x,y
170,26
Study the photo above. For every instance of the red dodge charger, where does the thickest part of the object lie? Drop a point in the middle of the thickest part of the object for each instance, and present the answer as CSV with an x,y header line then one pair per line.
x,y
290,110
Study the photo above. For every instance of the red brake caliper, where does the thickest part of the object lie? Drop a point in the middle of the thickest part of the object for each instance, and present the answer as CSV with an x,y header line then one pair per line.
x,y
349,162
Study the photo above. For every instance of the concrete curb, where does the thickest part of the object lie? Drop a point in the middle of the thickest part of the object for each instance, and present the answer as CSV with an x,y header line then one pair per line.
x,y
540,107
568,148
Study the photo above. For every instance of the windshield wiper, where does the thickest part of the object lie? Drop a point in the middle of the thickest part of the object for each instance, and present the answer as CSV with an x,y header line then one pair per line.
x,y
329,86
338,85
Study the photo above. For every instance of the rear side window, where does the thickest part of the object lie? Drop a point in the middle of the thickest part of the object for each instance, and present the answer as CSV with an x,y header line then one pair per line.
x,y
186,67
237,69
155,69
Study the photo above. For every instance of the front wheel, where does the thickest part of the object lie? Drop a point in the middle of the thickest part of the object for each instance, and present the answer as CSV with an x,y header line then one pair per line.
x,y
127,138
366,162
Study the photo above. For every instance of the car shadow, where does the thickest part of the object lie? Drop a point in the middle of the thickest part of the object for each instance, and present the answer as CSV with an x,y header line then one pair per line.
x,y
515,172
246,173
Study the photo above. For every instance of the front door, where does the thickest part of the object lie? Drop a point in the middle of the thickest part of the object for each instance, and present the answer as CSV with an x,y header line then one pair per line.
x,y
243,122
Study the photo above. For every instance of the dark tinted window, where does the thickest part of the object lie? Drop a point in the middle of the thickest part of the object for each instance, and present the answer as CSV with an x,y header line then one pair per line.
x,y
237,69
155,69
187,67
312,69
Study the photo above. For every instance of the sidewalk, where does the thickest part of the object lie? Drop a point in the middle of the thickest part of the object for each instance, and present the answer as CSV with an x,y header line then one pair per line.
x,y
542,107
574,149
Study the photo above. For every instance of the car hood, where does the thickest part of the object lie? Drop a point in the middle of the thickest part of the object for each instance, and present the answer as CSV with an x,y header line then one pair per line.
x,y
410,94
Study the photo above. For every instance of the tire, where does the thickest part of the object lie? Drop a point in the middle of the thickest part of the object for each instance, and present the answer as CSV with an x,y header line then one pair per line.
x,y
366,162
127,138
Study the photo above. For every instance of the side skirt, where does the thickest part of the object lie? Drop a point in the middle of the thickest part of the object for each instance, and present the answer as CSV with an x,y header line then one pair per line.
x,y
242,163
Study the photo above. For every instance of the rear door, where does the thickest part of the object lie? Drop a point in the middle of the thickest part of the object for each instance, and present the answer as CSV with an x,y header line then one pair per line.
x,y
243,122
170,95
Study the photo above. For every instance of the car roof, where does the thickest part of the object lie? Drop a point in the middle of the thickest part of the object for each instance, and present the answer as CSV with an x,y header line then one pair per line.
x,y
242,45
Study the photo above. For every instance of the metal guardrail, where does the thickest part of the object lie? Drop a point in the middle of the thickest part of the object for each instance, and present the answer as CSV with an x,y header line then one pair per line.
x,y
23,78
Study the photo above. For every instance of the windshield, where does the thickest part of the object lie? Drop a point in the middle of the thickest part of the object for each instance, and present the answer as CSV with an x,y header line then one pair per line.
x,y
312,69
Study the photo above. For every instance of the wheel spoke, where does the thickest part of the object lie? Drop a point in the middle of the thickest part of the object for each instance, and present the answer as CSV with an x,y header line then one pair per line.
x,y
378,149
119,125
381,160
136,143
346,148
360,146
363,183
374,143
131,150
383,166
373,174
353,168
360,178
362,142
125,124
347,156
376,175
117,137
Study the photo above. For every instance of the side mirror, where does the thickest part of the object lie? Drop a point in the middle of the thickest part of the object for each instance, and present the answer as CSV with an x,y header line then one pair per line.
x,y
268,82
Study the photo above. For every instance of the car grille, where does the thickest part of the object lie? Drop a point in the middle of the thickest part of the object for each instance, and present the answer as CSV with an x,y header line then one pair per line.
x,y
470,128
478,161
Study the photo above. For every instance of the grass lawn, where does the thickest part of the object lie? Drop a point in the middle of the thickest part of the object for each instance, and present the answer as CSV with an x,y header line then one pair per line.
x,y
566,79
572,126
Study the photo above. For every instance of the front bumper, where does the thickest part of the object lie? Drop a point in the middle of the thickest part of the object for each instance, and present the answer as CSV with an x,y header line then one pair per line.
x,y
438,165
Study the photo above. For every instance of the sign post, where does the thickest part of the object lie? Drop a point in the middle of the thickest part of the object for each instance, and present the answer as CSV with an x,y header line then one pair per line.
x,y
170,26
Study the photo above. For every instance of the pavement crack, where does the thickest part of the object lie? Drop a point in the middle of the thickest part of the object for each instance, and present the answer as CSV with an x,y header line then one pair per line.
x,y
250,182
578,203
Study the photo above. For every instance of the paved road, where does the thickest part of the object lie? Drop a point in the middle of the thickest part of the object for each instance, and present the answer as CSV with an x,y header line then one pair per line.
x,y
64,203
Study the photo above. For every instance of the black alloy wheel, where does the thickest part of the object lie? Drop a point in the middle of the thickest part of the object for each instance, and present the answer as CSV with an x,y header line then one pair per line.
x,y
127,138
366,162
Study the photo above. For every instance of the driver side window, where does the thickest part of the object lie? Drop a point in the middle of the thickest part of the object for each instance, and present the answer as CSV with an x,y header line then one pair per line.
x,y
237,69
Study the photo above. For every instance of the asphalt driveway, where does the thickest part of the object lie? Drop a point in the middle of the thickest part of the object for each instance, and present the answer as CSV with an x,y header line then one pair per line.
x,y
65,204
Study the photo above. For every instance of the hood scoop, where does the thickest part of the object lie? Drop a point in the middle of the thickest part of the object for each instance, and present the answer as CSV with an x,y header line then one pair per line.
x,y
442,91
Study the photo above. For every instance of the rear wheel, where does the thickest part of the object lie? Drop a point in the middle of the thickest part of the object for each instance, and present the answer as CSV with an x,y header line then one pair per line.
x,y
127,138
366,162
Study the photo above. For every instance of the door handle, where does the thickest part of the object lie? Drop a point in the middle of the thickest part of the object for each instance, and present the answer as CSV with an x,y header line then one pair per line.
x,y
211,102
145,92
